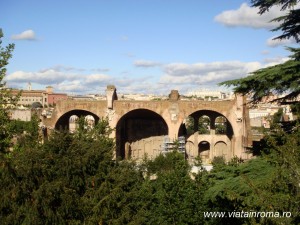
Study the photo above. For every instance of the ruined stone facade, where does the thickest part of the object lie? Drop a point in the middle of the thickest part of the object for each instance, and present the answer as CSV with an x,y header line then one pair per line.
x,y
142,127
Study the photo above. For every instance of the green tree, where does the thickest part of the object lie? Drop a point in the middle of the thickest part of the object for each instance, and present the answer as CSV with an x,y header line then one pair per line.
x,y
27,132
189,124
6,99
278,116
54,183
279,79
170,194
289,23
116,199
268,183
279,149
204,125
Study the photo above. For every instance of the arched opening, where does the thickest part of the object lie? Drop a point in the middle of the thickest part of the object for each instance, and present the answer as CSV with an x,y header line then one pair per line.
x,y
187,127
73,123
63,123
140,132
205,122
221,125
203,151
192,125
204,125
221,150
89,121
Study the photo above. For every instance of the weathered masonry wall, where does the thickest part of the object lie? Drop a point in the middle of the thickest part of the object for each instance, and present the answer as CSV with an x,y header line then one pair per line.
x,y
141,127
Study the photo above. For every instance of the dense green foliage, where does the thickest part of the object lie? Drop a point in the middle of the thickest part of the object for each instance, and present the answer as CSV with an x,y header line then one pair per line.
x,y
26,133
274,177
203,125
5,98
289,23
52,183
279,79
73,179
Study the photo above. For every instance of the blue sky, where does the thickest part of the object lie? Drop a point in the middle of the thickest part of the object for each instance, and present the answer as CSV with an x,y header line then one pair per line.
x,y
140,46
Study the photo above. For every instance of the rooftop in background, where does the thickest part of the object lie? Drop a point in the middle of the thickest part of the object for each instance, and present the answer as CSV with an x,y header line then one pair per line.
x,y
45,97
210,94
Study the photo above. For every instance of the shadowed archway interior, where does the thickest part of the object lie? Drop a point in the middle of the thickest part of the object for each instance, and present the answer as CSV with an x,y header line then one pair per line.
x,y
63,122
212,121
137,125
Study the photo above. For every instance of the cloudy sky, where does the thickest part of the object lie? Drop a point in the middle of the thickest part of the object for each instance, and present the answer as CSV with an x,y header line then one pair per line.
x,y
140,46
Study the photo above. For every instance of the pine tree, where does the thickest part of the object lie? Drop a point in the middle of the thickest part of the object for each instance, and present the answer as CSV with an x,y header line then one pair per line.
x,y
283,78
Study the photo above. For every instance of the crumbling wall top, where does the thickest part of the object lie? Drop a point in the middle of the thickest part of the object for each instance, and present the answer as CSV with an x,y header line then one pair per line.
x,y
174,95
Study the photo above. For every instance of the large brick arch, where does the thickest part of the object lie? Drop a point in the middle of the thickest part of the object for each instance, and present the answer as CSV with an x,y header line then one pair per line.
x,y
211,137
212,114
135,126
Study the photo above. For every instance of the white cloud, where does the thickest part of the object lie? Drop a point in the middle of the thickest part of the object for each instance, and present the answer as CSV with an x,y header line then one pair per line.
x,y
206,73
73,86
274,61
274,43
63,81
146,63
247,16
62,78
100,70
68,69
61,68
96,78
25,35
42,77
147,87
173,76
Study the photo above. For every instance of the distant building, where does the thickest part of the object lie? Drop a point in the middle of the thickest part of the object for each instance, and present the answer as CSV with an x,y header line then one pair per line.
x,y
30,96
258,113
263,113
138,97
45,97
53,98
82,97
207,93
